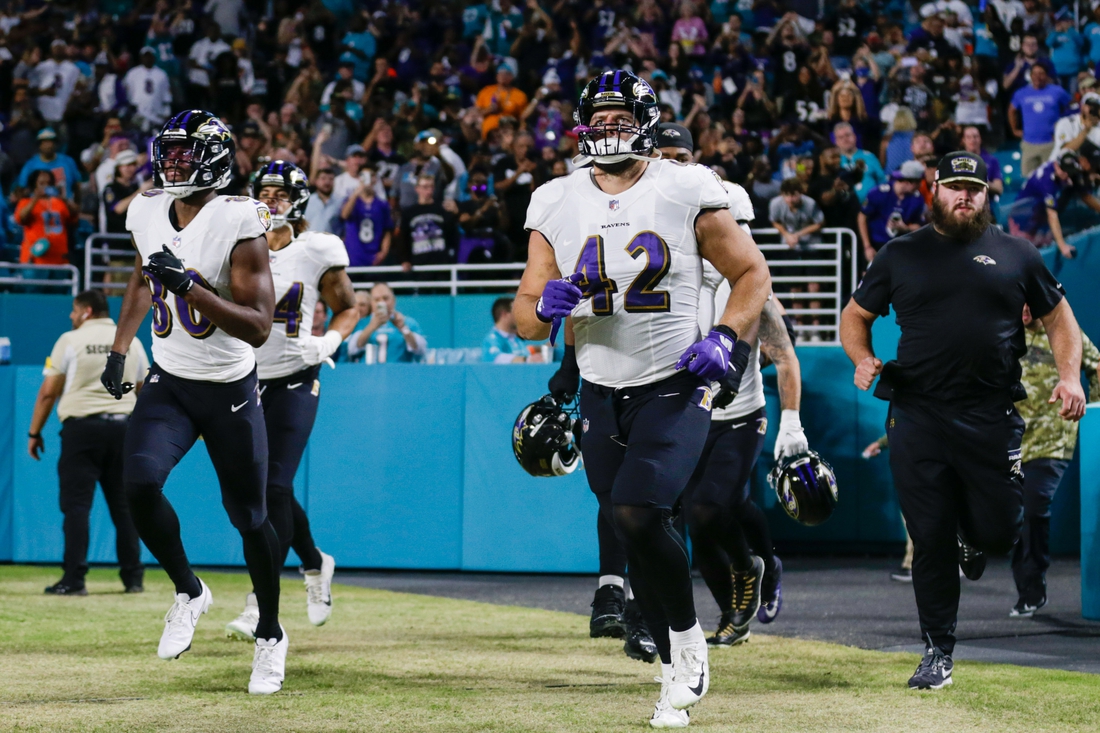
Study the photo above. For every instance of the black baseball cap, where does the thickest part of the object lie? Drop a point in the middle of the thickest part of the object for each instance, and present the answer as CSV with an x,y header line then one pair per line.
x,y
962,166
671,135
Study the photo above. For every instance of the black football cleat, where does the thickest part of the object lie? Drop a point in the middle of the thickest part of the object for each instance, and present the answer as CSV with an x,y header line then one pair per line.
x,y
1025,609
135,588
639,642
971,561
61,588
607,613
729,634
933,672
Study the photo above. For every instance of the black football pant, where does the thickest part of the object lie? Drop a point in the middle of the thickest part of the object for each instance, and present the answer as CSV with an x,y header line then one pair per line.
x,y
170,415
717,499
290,409
91,451
957,474
640,446
1031,558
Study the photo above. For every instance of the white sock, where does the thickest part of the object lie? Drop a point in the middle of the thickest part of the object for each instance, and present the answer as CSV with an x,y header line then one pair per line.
x,y
611,580
694,635
666,672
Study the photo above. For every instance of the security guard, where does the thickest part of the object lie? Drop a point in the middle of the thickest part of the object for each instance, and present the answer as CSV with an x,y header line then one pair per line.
x,y
92,428
1047,450
958,288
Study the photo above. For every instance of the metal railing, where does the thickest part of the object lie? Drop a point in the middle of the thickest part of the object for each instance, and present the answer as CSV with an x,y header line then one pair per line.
x,y
829,267
40,277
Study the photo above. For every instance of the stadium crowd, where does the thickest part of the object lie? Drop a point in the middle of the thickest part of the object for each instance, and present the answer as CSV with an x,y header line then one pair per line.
x,y
425,126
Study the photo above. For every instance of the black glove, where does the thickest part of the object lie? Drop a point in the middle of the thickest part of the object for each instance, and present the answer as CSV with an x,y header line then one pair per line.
x,y
112,375
563,385
730,384
168,268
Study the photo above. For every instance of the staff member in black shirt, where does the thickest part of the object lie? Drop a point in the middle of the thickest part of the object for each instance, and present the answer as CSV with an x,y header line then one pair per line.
x,y
958,288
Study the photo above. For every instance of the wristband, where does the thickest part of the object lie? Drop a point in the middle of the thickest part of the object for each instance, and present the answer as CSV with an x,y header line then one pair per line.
x,y
726,331
34,436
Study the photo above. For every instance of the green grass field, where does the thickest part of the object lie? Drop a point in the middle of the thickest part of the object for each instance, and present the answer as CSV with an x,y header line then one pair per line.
x,y
397,662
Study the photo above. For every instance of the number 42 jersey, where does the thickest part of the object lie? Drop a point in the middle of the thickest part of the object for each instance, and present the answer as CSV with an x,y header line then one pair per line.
x,y
640,262
297,270
185,343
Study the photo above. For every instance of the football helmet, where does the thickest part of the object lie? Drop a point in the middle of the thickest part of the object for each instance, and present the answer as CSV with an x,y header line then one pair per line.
x,y
290,177
544,439
605,143
200,145
806,487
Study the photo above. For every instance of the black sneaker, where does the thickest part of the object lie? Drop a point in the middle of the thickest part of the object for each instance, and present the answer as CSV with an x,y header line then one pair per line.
x,y
61,588
746,593
902,575
933,672
639,642
771,593
1023,609
135,588
607,613
729,634
971,561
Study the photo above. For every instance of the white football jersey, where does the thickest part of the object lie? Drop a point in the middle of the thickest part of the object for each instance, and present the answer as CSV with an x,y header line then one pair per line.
x,y
297,270
638,252
716,291
185,343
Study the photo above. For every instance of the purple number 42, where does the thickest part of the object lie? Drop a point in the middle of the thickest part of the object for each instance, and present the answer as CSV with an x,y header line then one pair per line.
x,y
643,295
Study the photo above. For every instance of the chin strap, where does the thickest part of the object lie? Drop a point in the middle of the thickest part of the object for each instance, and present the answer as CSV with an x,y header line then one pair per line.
x,y
581,160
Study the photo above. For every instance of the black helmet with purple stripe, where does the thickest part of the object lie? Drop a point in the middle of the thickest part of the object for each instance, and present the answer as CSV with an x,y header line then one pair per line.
x,y
192,152
614,143
289,177
806,487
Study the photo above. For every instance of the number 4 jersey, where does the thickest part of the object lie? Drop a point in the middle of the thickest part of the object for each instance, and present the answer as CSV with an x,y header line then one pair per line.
x,y
640,261
297,270
186,344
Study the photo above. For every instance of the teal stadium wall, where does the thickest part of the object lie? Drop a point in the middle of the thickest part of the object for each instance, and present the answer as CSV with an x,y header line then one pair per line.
x,y
410,466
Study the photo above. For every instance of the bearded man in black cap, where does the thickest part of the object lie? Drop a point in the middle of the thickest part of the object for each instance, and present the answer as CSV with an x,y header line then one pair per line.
x,y
958,287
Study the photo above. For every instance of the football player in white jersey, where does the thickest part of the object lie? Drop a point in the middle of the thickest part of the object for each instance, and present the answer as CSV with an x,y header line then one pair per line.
x,y
202,265
307,267
620,247
723,520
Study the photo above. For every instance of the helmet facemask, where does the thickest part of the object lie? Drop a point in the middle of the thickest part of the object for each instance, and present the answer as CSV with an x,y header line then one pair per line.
x,y
176,154
610,146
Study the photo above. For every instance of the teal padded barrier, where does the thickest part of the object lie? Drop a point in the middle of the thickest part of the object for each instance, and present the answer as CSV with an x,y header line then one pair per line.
x,y
1090,513
7,455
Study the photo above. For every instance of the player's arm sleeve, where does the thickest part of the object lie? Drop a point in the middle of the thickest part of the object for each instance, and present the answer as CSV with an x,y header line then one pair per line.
x,y
712,194
873,293
1042,291
253,219
333,252
137,212
546,203
57,363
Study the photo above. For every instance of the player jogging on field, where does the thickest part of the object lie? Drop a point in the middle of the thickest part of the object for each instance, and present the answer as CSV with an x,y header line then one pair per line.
x,y
202,265
630,235
306,267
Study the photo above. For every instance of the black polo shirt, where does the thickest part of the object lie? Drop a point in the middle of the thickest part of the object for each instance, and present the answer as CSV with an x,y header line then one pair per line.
x,y
959,307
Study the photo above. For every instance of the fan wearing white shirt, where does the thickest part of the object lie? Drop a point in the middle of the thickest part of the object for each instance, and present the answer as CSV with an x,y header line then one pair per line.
x,y
148,90
53,82
200,62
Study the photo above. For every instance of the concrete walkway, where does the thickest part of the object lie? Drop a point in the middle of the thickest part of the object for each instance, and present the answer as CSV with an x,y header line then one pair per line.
x,y
845,600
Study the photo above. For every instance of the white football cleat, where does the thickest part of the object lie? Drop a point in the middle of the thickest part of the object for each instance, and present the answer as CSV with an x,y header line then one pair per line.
x,y
268,665
319,590
180,622
690,674
664,715
244,626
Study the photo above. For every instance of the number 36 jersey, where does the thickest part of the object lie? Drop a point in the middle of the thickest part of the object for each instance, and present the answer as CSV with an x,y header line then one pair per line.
x,y
297,270
640,263
187,344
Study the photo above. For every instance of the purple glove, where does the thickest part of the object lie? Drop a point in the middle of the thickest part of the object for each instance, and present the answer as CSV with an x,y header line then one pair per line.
x,y
558,300
710,358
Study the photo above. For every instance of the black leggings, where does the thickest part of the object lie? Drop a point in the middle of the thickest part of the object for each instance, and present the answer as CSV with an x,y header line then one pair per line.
x,y
170,415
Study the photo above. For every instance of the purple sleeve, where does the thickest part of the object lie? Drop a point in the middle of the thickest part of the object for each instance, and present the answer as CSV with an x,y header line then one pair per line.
x,y
993,169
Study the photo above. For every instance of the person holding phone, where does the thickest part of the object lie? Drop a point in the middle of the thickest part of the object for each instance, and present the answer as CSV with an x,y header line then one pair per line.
x,y
396,337
46,219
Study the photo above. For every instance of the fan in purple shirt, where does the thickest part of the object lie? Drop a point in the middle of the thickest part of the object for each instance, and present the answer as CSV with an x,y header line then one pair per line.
x,y
368,225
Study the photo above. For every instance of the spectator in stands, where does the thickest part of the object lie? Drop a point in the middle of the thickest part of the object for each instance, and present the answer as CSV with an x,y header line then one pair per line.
x,y
972,143
1018,74
795,215
484,222
149,92
348,181
395,336
846,105
382,154
368,225
61,167
515,177
118,194
1067,47
425,161
429,232
359,47
897,144
833,190
1048,190
200,65
323,210
54,81
1072,131
1039,104
501,98
892,209
853,158
501,345
46,218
